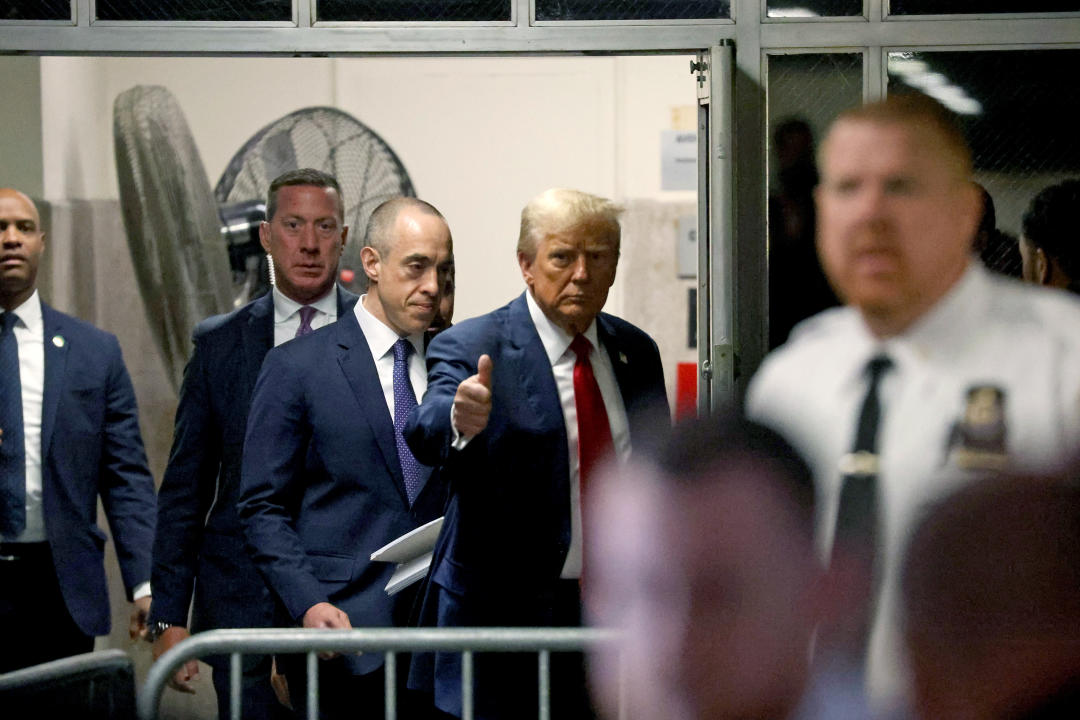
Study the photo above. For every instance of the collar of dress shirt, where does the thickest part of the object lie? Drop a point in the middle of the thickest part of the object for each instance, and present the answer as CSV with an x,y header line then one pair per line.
x,y
380,336
938,333
286,307
30,312
555,339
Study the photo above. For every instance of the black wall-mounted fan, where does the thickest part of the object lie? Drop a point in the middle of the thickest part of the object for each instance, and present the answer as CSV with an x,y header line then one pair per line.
x,y
330,140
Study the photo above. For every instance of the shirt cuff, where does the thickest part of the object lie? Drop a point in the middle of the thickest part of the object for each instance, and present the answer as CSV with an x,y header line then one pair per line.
x,y
141,590
457,440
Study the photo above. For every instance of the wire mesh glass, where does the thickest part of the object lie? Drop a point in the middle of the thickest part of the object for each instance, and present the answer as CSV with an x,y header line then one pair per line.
x,y
183,10
813,8
984,7
805,93
1019,118
632,9
35,9
412,10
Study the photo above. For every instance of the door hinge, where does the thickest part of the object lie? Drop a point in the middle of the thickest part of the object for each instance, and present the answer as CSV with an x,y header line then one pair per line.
x,y
700,68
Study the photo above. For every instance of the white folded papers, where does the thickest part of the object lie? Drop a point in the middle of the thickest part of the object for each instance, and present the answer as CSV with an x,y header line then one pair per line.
x,y
412,553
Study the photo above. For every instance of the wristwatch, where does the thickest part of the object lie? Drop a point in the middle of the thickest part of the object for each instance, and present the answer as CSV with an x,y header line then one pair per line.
x,y
156,628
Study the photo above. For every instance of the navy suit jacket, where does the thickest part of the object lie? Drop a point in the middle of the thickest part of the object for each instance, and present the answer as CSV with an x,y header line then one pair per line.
x,y
507,529
198,531
321,485
91,446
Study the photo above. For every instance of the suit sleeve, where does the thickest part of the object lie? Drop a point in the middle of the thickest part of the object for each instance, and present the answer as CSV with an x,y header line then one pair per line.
x,y
428,430
656,400
125,483
186,494
272,484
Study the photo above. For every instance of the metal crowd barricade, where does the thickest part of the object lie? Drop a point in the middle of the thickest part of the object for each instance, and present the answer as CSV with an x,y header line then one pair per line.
x,y
95,686
391,641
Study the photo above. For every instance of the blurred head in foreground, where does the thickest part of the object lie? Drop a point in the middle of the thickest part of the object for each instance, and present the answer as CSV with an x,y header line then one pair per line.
x,y
896,209
991,589
704,556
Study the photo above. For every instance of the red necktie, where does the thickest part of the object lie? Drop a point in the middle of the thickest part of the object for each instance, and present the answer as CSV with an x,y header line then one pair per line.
x,y
594,430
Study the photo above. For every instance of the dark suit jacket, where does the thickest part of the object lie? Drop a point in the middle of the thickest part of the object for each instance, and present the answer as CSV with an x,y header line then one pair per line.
x,y
198,531
507,529
321,485
91,446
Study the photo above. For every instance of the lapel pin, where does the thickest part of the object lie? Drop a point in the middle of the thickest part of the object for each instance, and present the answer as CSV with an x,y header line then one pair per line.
x,y
622,359
58,341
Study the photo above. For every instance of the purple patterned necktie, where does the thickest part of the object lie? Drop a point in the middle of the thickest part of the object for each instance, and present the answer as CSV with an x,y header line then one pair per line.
x,y
404,402
307,312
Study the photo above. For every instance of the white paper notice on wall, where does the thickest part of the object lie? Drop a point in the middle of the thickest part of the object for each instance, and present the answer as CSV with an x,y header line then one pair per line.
x,y
687,246
678,160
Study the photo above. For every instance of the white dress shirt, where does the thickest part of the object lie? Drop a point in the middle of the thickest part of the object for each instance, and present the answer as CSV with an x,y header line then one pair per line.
x,y
988,330
381,340
557,346
29,332
287,314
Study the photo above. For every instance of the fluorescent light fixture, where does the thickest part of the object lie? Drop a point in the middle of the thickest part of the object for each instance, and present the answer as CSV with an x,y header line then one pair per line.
x,y
947,93
956,100
927,80
906,66
795,12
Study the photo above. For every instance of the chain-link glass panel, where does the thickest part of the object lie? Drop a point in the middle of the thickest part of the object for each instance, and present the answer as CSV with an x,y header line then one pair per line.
x,y
632,9
35,9
983,7
1019,118
813,8
215,10
805,93
412,10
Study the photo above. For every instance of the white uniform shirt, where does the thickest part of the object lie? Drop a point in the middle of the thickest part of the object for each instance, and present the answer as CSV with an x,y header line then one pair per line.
x,y
988,330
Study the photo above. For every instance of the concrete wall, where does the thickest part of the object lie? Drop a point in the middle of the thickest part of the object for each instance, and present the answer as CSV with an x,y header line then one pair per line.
x,y
20,117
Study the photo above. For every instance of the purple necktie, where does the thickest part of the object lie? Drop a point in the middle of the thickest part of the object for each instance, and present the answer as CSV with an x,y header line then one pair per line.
x,y
404,402
307,312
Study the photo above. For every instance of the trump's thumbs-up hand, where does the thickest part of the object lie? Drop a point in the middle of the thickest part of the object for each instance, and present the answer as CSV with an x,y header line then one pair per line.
x,y
472,401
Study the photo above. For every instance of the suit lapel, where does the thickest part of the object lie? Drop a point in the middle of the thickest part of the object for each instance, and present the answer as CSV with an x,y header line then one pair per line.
x,y
620,364
354,357
56,352
527,353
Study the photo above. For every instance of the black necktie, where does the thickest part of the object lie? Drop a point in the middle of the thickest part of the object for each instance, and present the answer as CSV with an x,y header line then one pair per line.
x,y
856,535
856,519
12,448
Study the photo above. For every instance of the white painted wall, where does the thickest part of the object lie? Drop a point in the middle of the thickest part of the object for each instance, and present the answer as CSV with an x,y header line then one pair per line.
x,y
479,136
225,100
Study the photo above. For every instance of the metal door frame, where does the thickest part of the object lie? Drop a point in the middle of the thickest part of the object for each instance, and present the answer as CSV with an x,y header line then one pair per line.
x,y
732,332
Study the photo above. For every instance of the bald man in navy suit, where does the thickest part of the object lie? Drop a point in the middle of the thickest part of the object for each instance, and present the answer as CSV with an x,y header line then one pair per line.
x,y
327,478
